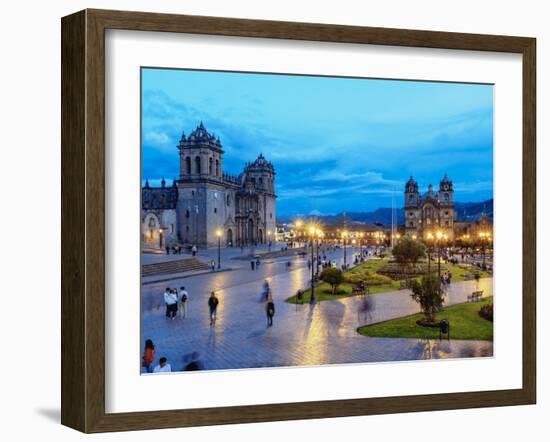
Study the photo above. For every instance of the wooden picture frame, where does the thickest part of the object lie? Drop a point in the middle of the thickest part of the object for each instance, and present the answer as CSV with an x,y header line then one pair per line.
x,y
83,219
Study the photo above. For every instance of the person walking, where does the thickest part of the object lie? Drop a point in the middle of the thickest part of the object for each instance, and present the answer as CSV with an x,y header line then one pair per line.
x,y
148,356
171,300
270,309
184,297
167,301
163,367
213,307
266,290
252,264
194,250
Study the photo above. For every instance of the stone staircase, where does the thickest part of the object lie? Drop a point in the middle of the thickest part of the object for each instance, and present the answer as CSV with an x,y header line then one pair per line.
x,y
174,266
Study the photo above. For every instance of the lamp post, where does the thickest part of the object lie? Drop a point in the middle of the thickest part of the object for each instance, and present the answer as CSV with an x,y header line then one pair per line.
x,y
430,238
361,235
219,235
344,235
319,234
484,236
269,240
298,225
312,297
439,236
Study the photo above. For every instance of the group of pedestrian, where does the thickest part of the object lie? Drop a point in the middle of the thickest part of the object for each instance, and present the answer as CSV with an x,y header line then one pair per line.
x,y
446,278
175,250
148,360
176,302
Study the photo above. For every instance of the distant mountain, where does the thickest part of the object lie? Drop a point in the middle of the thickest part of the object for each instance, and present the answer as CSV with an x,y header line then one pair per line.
x,y
466,212
473,211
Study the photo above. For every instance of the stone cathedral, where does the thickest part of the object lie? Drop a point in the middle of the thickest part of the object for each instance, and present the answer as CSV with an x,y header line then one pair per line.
x,y
429,212
205,199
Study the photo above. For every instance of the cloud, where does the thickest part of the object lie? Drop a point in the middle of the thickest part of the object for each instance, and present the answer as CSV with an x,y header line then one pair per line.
x,y
327,157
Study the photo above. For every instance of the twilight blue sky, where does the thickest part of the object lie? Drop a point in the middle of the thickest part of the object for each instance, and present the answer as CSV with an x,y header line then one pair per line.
x,y
337,144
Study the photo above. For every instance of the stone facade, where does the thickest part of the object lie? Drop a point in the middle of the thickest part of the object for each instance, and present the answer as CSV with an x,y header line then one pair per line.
x,y
430,212
158,216
206,200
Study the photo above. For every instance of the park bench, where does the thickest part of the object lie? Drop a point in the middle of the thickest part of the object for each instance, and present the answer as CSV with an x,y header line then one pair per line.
x,y
358,289
475,296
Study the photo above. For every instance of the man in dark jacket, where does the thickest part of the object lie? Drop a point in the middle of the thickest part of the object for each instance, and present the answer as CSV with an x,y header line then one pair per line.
x,y
213,307
270,311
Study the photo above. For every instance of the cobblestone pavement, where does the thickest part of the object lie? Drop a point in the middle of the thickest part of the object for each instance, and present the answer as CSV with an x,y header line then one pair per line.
x,y
301,335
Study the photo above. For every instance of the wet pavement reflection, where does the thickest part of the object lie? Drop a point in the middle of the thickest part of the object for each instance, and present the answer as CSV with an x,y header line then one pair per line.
x,y
323,333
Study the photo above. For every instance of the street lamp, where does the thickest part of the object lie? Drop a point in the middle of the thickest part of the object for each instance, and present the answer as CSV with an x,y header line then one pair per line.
x,y
319,234
430,238
219,235
484,236
312,297
361,235
344,235
439,235
269,240
299,223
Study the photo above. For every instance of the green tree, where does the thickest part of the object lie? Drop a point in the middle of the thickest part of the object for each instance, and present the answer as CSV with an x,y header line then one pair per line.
x,y
332,276
408,251
428,294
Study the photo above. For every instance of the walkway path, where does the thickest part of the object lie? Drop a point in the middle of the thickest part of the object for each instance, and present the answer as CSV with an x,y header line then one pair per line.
x,y
301,335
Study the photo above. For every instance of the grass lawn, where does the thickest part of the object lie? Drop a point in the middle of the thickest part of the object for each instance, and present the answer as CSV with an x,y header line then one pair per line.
x,y
464,320
323,291
462,272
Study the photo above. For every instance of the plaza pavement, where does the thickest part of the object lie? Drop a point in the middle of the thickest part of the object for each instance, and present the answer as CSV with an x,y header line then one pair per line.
x,y
301,335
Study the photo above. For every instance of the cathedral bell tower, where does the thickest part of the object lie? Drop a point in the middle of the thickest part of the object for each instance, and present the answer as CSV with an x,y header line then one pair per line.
x,y
411,193
200,156
446,191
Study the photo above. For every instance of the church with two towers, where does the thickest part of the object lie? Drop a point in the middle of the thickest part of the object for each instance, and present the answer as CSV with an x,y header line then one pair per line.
x,y
430,212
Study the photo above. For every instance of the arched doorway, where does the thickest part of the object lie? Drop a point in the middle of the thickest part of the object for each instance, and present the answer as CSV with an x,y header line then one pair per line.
x,y
260,236
229,237
250,236
152,232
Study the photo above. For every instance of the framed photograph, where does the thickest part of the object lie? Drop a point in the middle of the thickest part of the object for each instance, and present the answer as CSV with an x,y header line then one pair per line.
x,y
267,220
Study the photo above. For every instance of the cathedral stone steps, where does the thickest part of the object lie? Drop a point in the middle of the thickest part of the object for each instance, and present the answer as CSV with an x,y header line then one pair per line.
x,y
175,266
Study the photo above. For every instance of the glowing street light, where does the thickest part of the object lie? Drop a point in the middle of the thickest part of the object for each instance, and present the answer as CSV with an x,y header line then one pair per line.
x,y
430,238
344,236
439,235
312,231
219,235
485,237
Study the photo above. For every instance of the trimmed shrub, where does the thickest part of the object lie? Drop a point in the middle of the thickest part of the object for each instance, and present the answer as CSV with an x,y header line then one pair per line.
x,y
397,271
354,278
333,277
376,279
486,312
